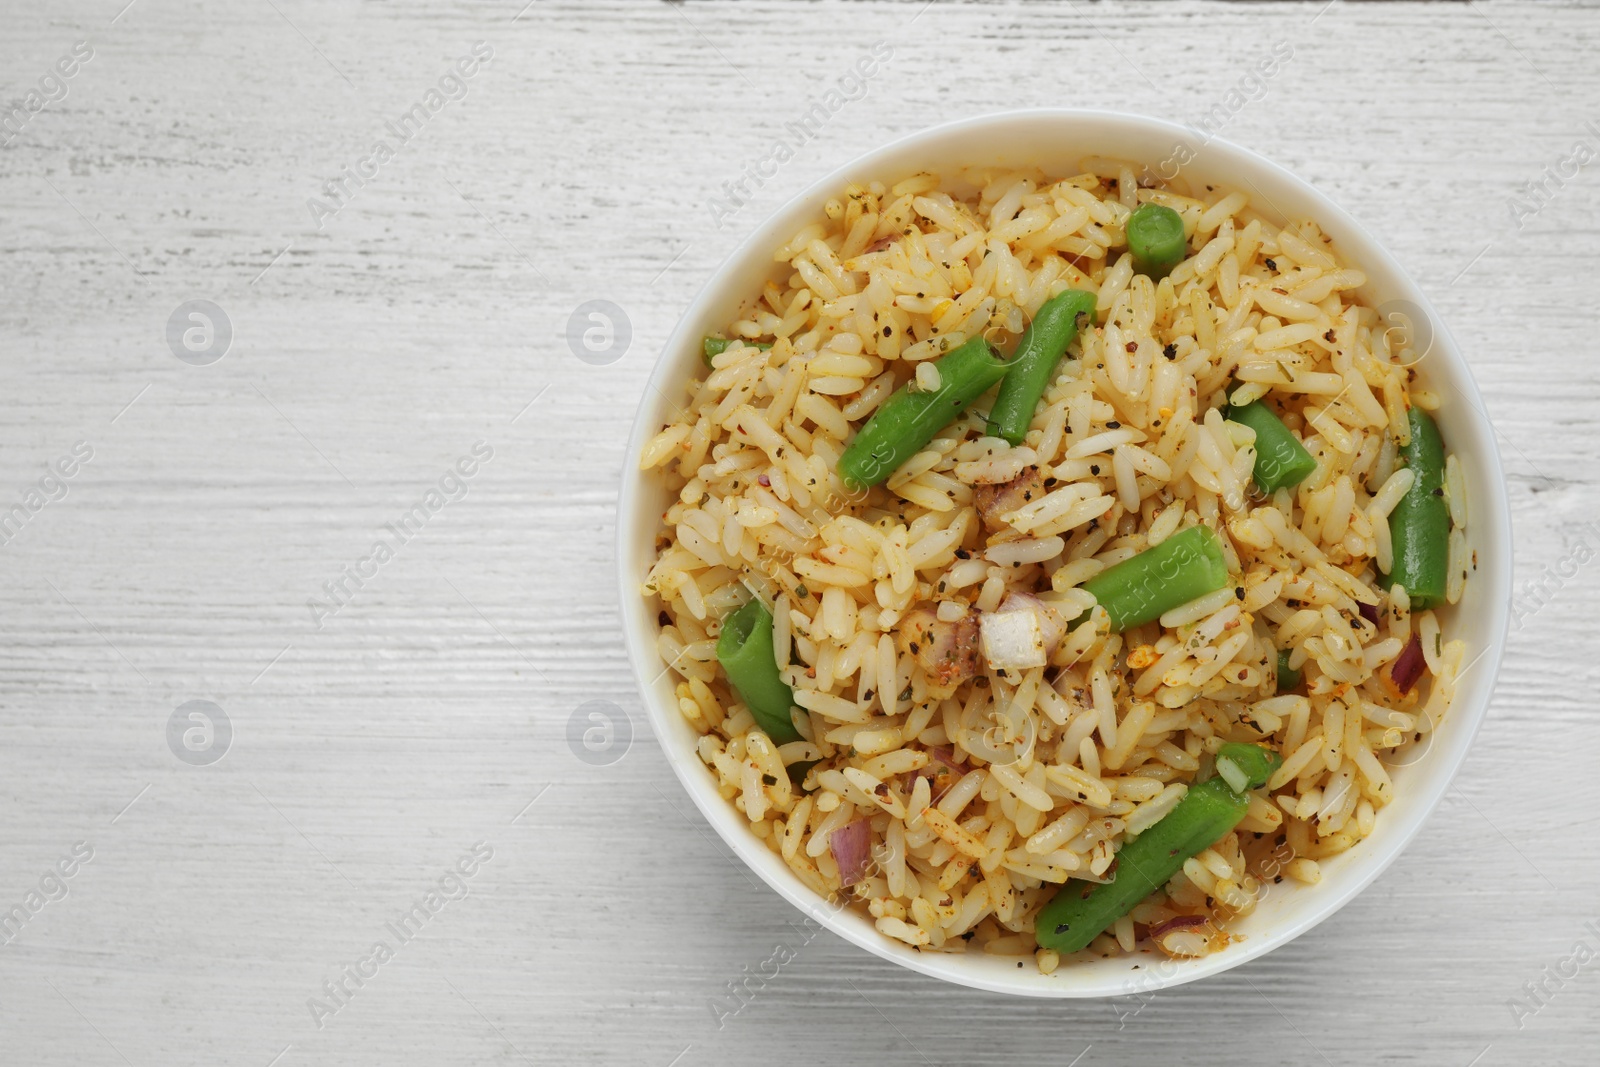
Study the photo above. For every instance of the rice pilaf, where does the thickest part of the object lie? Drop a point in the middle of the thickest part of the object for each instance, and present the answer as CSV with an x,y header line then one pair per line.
x,y
945,782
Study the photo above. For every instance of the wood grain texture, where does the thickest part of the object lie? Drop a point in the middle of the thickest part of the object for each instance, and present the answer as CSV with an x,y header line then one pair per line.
x,y
429,314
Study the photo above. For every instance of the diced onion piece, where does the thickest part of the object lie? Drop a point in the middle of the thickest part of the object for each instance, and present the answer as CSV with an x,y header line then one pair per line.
x,y
1177,922
1012,639
852,851
1052,627
1184,936
1408,666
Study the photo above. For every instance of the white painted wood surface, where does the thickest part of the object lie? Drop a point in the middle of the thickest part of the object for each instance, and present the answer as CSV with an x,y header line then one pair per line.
x,y
431,713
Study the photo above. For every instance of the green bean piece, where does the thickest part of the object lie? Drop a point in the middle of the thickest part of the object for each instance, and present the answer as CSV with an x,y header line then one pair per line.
x,y
1081,911
744,648
1246,767
1288,677
910,418
1187,565
1281,460
1035,361
1419,526
1155,237
715,346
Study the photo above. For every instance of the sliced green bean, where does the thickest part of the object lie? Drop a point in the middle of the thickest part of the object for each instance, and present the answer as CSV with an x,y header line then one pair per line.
x,y
1035,361
1248,766
744,648
1187,565
1155,237
910,418
715,346
1281,460
1419,526
1289,678
1082,911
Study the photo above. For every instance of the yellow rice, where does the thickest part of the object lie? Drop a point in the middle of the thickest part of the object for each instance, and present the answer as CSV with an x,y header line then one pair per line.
x,y
1052,765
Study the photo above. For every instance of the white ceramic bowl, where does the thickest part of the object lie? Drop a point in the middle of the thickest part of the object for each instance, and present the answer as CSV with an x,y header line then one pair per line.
x,y
1055,141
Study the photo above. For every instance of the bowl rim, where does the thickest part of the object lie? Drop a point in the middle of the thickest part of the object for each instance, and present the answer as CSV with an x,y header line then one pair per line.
x,y
1490,521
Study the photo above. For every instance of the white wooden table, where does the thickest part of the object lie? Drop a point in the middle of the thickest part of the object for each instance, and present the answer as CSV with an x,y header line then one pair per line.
x,y
374,740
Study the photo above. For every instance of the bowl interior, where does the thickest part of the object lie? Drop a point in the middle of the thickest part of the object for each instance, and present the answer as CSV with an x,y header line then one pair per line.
x,y
1056,141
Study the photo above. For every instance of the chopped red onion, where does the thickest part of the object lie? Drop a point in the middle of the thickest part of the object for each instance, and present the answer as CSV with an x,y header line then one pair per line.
x,y
852,851
1187,937
1178,922
947,756
1408,666
1052,628
1368,612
